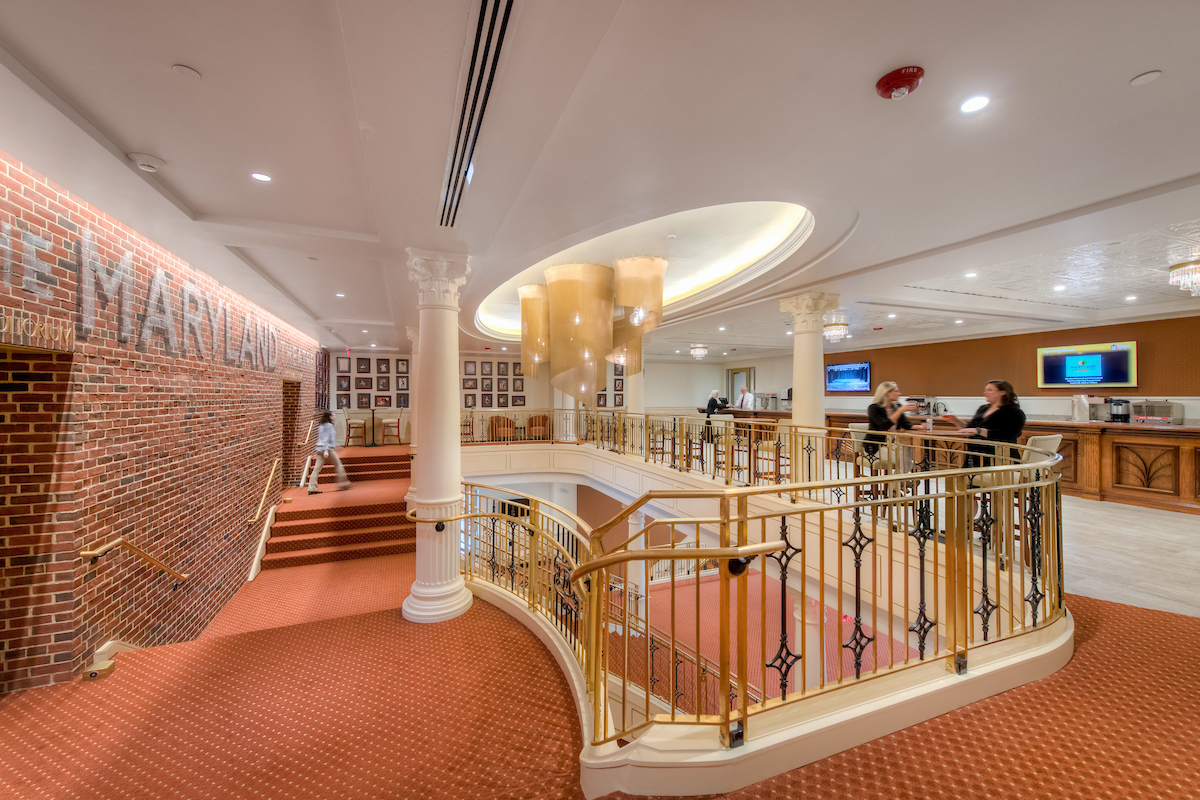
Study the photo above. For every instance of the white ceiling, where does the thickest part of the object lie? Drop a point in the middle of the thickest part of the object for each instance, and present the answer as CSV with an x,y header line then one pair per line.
x,y
606,114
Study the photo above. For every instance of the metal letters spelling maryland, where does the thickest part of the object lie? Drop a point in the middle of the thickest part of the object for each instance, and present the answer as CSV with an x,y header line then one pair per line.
x,y
182,319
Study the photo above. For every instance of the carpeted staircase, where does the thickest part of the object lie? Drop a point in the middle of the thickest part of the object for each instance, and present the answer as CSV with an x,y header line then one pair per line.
x,y
364,521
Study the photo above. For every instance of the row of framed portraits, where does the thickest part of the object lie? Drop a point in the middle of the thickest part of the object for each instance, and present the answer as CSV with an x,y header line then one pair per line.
x,y
492,384
362,366
602,399
485,368
379,383
501,401
364,400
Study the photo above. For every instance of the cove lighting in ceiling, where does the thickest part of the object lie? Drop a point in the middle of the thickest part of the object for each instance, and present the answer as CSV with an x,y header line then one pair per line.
x,y
261,176
973,104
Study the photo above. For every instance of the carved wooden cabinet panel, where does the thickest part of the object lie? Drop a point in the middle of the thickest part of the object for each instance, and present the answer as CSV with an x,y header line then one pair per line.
x,y
1151,468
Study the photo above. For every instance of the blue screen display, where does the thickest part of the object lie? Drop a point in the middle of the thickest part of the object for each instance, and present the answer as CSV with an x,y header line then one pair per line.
x,y
854,377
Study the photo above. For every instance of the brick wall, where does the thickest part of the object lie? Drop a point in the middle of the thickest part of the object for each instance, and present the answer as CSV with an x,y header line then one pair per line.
x,y
160,425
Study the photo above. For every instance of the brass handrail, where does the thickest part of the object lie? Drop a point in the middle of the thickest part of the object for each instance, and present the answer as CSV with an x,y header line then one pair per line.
x,y
675,554
121,541
266,490
308,435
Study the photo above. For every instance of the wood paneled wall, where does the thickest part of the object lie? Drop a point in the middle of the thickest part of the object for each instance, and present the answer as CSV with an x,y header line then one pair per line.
x,y
1168,360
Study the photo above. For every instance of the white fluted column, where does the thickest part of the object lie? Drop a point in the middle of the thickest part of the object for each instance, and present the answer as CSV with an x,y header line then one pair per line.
x,y
808,356
415,338
438,593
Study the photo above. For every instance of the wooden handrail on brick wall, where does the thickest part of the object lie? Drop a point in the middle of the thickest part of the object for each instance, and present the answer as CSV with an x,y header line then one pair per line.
x,y
308,435
266,490
123,542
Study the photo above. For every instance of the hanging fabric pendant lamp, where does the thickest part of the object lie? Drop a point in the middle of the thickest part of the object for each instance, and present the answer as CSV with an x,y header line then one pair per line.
x,y
581,328
637,309
535,327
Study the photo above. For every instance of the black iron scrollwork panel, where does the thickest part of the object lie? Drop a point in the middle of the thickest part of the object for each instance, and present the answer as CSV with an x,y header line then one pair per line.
x,y
922,532
858,641
785,658
1033,527
984,525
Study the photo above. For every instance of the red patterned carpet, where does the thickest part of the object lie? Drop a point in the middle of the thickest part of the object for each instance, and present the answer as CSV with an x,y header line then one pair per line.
x,y
371,706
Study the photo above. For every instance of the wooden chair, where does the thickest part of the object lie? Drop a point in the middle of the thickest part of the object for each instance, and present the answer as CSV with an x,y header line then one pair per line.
x,y
538,428
356,429
391,427
502,429
1046,444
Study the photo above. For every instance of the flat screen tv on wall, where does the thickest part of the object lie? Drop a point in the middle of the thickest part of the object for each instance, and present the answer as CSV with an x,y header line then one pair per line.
x,y
1105,365
854,377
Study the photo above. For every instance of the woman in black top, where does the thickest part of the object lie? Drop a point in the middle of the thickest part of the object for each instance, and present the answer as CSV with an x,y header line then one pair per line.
x,y
1000,419
886,414
714,405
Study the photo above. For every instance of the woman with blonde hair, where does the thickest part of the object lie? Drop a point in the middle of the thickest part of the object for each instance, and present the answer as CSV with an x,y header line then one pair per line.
x,y
886,414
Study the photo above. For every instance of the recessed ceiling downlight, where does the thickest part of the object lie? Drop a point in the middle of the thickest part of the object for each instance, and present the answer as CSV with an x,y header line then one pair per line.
x,y
1131,297
184,71
1060,288
973,104
261,176
1145,77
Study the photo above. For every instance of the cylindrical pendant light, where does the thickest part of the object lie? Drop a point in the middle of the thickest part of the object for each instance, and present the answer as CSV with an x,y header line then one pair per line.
x,y
535,327
639,302
581,324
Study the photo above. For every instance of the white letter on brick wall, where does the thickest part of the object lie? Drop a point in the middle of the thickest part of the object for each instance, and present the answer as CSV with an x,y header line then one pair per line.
x,y
272,348
38,279
6,253
246,349
160,317
192,323
114,286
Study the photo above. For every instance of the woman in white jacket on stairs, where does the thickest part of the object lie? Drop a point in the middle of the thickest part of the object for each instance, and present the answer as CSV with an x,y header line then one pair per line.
x,y
327,451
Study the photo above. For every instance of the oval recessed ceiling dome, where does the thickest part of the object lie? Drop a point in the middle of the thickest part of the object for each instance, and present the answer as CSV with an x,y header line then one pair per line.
x,y
709,251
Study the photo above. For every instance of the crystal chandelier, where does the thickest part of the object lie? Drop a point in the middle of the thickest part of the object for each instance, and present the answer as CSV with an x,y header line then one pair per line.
x,y
836,325
699,351
1187,276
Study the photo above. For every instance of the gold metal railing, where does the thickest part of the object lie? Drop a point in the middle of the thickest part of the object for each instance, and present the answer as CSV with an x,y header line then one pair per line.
x,y
821,585
121,541
266,490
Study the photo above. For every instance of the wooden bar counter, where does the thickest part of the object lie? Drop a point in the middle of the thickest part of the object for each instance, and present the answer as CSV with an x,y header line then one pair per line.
x,y
1124,462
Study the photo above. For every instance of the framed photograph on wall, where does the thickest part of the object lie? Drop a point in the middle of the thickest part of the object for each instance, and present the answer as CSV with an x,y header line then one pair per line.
x,y
401,366
487,384
518,400
502,368
619,370
343,363
383,366
363,383
501,401
468,368
362,365
343,383
364,400
517,369
402,400
618,384
383,401
601,400
618,400
486,401
343,400
501,384
401,383
470,383
383,383
485,368
518,384
468,401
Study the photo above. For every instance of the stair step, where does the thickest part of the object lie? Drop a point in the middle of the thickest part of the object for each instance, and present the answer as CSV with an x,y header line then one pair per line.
x,y
326,539
286,513
321,555
348,460
345,522
359,477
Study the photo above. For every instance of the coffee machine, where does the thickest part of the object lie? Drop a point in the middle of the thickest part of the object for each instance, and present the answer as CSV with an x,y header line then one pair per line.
x,y
927,405
1119,410
1089,408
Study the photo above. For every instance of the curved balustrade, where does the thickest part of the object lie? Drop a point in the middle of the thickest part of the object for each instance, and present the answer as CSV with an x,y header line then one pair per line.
x,y
890,564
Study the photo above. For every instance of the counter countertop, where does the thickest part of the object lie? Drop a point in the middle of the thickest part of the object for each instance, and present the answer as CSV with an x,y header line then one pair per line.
x,y
1058,422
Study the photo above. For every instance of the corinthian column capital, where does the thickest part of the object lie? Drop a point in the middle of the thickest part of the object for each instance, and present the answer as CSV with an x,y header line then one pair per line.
x,y
438,275
808,309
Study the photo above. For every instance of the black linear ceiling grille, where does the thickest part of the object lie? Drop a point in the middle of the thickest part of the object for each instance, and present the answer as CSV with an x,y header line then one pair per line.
x,y
489,39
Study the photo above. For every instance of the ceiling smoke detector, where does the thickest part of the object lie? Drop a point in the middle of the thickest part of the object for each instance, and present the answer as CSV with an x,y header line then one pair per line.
x,y
899,83
147,163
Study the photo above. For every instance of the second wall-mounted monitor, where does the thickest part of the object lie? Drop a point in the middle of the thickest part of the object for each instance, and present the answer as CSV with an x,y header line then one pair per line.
x,y
1099,366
